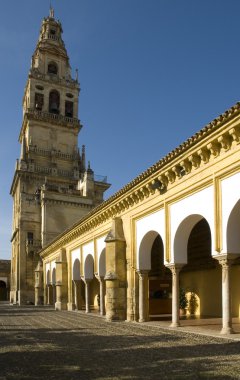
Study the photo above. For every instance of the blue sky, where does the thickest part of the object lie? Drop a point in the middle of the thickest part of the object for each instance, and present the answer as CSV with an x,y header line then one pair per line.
x,y
152,73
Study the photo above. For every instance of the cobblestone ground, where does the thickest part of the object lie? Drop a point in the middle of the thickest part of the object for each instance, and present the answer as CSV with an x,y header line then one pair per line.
x,y
39,343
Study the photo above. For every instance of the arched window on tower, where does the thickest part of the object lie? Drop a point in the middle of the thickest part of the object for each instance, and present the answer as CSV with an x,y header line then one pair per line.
x,y
54,102
68,108
52,68
39,100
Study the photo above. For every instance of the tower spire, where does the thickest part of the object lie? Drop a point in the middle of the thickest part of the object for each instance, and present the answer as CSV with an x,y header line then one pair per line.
x,y
51,11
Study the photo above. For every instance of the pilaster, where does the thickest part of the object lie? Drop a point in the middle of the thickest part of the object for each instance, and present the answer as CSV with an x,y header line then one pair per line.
x,y
116,304
61,282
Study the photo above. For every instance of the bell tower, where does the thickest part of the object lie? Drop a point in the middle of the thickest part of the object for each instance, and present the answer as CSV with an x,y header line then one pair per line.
x,y
52,188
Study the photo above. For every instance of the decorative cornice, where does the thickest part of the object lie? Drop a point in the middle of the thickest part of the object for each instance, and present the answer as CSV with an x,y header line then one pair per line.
x,y
156,178
70,83
32,114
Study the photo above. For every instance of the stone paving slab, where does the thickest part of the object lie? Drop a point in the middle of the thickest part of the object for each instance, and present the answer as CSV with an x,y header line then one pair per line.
x,y
39,343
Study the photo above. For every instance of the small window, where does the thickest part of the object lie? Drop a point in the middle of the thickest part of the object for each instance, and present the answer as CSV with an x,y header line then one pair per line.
x,y
39,100
54,102
30,237
52,32
52,68
69,95
68,108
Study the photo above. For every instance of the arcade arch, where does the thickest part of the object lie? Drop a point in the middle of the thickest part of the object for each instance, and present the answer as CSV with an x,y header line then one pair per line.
x,y
233,248
154,278
201,268
77,285
91,284
53,285
3,291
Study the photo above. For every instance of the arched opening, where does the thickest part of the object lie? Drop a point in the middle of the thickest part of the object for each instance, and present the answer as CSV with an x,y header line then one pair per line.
x,y
54,286
77,285
76,270
145,250
102,263
101,296
151,259
68,108
233,230
52,68
48,277
54,102
91,285
200,278
88,267
160,289
233,246
3,291
49,297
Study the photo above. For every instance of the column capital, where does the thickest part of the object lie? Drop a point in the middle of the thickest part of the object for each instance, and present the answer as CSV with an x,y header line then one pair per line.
x,y
142,273
174,268
226,259
98,277
86,280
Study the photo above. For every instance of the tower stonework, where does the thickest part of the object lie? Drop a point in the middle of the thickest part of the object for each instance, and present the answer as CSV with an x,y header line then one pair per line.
x,y
52,188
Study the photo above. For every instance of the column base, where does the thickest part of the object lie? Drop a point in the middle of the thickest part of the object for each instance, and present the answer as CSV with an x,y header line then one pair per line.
x,y
174,324
227,330
60,306
141,320
70,306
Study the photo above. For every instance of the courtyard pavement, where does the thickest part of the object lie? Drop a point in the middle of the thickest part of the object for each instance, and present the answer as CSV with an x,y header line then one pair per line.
x,y
40,343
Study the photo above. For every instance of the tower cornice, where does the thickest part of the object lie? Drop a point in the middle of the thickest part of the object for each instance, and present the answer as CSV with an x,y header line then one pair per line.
x,y
58,120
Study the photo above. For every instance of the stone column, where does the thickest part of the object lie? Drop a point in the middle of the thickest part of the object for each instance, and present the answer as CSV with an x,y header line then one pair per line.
x,y
39,285
77,294
49,294
175,269
87,294
226,261
143,296
102,290
53,294
61,282
116,280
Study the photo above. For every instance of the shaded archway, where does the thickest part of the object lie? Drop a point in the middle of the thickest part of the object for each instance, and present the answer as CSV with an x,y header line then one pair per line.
x,y
144,255
88,267
181,237
233,230
102,263
48,278
76,270
48,288
54,286
159,281
3,291
154,278
200,278
77,285
91,285
233,247
101,296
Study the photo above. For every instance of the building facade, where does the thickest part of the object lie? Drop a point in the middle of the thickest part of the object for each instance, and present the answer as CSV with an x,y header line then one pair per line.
x,y
52,186
172,230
